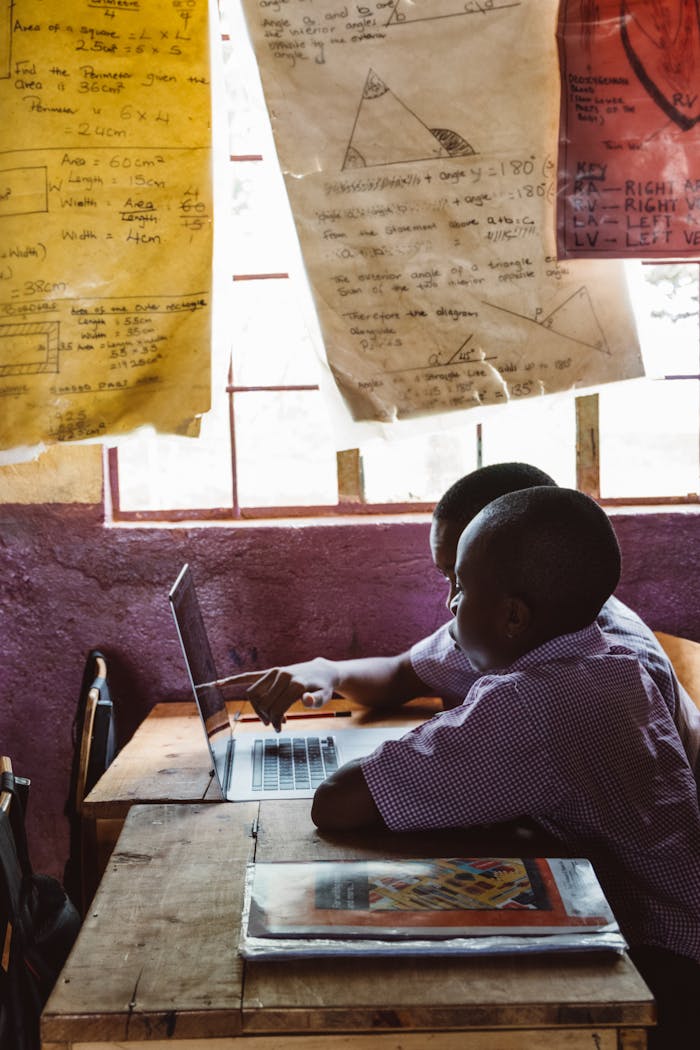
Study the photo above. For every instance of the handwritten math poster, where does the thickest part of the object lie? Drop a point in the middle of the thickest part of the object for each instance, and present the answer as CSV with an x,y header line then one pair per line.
x,y
105,218
629,160
418,139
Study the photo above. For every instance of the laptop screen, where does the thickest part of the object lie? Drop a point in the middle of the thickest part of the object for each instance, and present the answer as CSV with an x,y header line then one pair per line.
x,y
201,667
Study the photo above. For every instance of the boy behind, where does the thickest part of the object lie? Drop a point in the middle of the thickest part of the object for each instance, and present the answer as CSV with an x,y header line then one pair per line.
x,y
434,666
563,727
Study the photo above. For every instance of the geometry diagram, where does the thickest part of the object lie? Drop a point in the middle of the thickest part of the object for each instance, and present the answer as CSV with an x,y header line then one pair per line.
x,y
426,10
662,42
575,319
386,131
23,191
5,38
463,355
29,349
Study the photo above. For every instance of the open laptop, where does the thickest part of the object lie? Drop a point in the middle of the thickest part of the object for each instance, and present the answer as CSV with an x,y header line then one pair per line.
x,y
261,764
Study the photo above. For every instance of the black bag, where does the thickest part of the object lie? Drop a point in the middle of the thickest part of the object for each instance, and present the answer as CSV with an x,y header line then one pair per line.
x,y
38,926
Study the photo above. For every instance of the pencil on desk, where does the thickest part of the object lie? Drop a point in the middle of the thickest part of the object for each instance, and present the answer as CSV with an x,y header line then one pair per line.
x,y
299,714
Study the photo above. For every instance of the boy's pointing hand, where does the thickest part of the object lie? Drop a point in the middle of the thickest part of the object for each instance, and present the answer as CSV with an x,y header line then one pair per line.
x,y
273,691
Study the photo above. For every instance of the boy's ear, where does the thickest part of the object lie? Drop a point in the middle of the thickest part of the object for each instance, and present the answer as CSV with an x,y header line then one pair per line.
x,y
518,617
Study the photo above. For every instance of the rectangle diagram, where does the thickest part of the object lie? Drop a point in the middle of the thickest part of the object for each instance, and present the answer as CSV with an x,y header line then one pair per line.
x,y
23,191
29,349
5,38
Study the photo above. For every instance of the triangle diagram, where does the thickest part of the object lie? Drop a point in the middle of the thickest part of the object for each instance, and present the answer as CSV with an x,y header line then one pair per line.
x,y
576,319
386,131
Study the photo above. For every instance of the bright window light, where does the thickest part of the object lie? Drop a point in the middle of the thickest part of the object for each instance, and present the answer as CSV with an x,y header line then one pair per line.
x,y
285,454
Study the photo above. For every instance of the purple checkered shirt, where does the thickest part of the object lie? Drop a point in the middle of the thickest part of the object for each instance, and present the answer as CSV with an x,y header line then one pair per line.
x,y
548,738
447,671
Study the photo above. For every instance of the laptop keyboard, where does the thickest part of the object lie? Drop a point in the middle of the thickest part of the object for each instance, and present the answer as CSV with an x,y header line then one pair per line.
x,y
286,765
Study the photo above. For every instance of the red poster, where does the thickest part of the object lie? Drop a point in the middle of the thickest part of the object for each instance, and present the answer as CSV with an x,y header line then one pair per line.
x,y
629,134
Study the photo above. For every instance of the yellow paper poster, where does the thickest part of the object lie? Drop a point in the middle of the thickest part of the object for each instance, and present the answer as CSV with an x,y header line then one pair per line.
x,y
105,218
418,141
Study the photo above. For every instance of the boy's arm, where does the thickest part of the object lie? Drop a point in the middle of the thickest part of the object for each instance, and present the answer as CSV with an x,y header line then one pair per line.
x,y
375,681
344,801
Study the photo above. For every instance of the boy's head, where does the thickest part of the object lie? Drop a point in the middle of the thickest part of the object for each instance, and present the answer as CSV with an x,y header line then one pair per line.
x,y
532,565
463,501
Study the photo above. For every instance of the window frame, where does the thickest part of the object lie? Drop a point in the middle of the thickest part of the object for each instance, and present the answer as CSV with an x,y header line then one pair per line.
x,y
349,467
351,500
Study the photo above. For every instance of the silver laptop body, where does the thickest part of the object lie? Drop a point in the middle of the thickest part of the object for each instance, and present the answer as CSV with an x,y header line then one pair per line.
x,y
256,762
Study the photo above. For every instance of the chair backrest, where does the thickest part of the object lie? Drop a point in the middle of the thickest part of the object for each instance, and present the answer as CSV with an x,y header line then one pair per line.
x,y
21,787
5,796
94,748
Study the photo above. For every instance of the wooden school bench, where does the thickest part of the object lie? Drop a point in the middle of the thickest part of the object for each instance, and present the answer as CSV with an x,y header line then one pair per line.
x,y
156,963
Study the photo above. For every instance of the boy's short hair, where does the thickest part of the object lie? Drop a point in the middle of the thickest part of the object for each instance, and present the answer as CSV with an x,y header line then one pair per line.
x,y
555,549
466,497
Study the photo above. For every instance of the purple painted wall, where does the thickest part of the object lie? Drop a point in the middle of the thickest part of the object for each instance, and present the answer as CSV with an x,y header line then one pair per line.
x,y
274,593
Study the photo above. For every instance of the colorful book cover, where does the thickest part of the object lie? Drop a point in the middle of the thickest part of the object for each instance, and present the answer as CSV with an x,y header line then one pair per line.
x,y
436,898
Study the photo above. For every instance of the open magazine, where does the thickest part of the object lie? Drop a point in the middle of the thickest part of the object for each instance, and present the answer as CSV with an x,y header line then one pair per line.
x,y
437,903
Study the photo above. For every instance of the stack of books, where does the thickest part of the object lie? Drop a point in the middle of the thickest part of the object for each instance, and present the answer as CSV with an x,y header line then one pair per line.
x,y
434,906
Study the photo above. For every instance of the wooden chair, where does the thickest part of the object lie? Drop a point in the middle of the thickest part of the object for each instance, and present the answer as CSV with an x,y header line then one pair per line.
x,y
5,796
94,749
21,786
685,657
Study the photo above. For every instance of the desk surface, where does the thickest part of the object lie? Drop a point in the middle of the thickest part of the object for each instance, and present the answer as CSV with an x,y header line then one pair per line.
x,y
167,759
157,957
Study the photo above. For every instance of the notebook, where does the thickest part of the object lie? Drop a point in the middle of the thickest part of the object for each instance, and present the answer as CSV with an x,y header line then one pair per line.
x,y
259,764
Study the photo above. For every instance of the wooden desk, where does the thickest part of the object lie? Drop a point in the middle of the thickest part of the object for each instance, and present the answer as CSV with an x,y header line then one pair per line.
x,y
167,760
156,963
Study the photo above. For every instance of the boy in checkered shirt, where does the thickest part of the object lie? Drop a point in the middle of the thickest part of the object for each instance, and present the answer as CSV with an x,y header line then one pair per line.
x,y
435,666
563,727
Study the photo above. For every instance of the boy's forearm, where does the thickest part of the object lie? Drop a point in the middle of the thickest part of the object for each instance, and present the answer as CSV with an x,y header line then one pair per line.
x,y
344,801
378,681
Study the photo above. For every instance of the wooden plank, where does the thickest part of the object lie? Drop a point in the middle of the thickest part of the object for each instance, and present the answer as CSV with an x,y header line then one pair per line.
x,y
633,1039
99,837
157,954
166,760
588,445
503,992
562,1039
275,842
685,657
525,991
351,488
